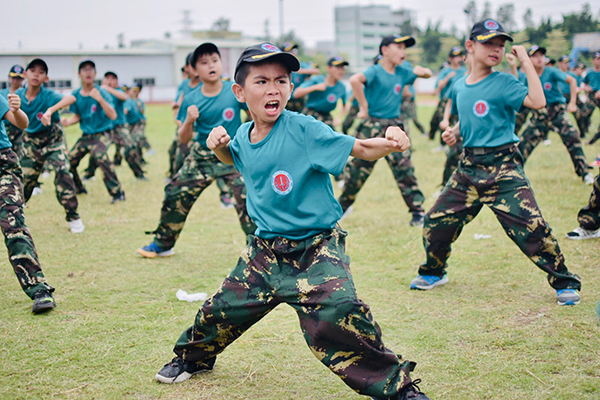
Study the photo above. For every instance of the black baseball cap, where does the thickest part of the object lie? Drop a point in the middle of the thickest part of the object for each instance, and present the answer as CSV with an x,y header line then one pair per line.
x,y
387,40
289,46
550,61
16,71
84,63
597,54
204,48
485,30
535,48
188,58
264,51
38,62
564,58
580,65
456,51
337,61
110,73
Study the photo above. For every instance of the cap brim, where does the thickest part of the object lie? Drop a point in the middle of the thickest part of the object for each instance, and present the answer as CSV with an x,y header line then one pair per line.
x,y
339,63
539,49
15,75
490,35
287,58
408,41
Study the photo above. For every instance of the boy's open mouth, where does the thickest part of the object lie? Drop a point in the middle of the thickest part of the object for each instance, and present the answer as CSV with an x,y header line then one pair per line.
x,y
272,107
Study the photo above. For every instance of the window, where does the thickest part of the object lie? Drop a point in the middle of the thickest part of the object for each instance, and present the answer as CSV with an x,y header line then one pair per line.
x,y
146,81
365,23
384,24
368,48
368,35
3,85
59,84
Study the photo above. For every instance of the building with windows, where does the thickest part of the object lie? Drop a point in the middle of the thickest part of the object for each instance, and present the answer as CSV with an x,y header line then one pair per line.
x,y
359,29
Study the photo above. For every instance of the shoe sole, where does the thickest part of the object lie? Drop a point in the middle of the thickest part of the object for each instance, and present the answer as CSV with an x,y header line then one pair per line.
x,y
595,236
178,379
43,308
151,254
569,303
442,281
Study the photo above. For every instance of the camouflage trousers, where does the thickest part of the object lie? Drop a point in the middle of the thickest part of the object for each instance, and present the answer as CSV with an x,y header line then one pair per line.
x,y
178,152
437,117
200,169
19,243
553,117
408,111
583,114
140,142
589,216
295,105
349,119
96,145
452,160
312,276
15,135
122,139
495,179
520,120
326,118
357,171
48,147
593,102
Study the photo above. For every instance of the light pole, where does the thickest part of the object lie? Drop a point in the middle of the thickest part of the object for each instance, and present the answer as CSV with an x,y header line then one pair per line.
x,y
281,19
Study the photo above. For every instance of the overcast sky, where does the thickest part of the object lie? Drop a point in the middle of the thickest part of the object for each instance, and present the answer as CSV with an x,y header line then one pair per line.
x,y
65,24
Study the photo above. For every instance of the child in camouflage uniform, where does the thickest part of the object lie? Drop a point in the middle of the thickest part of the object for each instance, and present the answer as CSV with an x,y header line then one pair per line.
x,y
491,168
296,255
19,243
589,216
15,78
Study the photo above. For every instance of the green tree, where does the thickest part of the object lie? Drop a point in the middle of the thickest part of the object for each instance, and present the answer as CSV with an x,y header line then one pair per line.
x,y
430,42
580,22
506,16
557,44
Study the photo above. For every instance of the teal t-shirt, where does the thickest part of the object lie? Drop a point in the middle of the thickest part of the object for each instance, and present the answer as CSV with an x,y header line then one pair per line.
x,y
185,88
458,73
119,107
384,90
324,101
93,117
298,79
4,141
592,78
142,106
36,108
180,88
4,94
486,109
564,87
220,110
134,113
289,190
551,79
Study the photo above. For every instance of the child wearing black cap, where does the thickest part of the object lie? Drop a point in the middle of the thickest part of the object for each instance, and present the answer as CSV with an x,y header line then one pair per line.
x,y
15,78
379,93
553,116
296,255
307,69
323,92
490,171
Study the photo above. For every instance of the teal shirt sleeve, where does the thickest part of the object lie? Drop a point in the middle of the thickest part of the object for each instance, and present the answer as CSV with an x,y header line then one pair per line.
x,y
327,150
182,113
4,108
370,74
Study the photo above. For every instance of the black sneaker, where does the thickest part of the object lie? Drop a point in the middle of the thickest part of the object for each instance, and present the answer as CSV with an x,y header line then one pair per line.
x,y
411,392
81,190
118,197
417,219
179,370
42,302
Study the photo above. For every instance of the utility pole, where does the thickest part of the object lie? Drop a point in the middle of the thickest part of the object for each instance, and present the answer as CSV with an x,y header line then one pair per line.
x,y
281,31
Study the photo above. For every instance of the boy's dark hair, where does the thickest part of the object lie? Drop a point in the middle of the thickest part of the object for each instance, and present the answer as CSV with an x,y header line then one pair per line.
x,y
38,62
261,54
204,48
110,73
86,63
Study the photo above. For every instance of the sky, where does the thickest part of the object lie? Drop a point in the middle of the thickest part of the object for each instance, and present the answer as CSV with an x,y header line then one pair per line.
x,y
93,24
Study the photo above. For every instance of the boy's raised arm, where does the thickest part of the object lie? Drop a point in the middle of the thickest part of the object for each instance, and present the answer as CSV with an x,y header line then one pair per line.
x,y
64,102
15,115
375,148
536,98
357,81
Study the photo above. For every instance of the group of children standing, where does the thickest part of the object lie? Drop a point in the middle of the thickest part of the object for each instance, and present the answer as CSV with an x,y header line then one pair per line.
x,y
295,251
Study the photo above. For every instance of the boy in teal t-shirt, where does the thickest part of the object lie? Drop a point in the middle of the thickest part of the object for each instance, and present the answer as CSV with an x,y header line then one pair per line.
x,y
95,113
307,69
44,140
592,86
565,89
296,256
15,78
323,92
213,104
22,253
491,170
379,93
553,116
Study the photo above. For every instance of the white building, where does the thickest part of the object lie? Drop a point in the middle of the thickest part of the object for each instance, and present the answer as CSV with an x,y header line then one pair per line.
x,y
359,29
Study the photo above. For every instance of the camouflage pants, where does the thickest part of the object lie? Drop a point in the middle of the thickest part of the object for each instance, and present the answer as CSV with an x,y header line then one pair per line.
x,y
48,147
582,115
495,179
349,119
15,135
97,145
295,105
178,152
520,120
138,135
19,243
357,171
326,118
452,160
199,170
122,139
437,117
408,111
593,101
312,276
589,216
553,117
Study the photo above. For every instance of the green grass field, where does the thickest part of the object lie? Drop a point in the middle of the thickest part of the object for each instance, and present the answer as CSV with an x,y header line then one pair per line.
x,y
494,332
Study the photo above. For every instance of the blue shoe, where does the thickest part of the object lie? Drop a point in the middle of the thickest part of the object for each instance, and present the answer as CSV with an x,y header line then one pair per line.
x,y
567,297
426,282
152,251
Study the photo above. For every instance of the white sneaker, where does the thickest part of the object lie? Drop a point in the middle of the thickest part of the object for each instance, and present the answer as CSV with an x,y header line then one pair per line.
x,y
547,142
36,191
579,234
76,226
346,213
588,179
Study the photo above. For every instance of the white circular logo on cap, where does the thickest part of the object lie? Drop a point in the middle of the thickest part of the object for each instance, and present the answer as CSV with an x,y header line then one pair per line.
x,y
491,25
270,47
